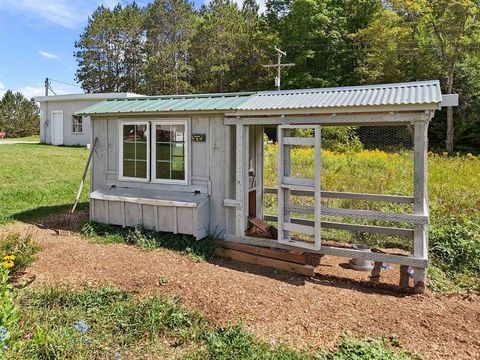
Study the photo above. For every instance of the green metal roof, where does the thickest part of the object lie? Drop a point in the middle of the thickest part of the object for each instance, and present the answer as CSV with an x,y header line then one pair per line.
x,y
400,94
200,102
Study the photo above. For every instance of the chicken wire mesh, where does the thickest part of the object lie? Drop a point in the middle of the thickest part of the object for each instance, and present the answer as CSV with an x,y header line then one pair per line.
x,y
365,159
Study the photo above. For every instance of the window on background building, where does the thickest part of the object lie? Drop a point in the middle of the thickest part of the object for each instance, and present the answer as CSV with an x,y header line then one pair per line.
x,y
134,152
170,151
77,124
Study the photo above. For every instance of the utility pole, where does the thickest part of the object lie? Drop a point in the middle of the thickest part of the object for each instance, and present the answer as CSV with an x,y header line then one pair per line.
x,y
46,87
279,66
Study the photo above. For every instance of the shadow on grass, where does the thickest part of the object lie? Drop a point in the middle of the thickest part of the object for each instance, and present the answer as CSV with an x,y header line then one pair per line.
x,y
46,214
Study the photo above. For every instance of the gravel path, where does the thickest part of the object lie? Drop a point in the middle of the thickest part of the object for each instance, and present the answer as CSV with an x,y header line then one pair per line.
x,y
277,306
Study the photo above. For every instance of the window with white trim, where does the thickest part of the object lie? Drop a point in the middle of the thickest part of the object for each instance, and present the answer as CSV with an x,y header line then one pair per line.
x,y
134,153
155,151
169,153
77,124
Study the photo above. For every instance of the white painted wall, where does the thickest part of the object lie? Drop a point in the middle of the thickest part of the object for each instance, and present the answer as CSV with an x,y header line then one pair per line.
x,y
68,108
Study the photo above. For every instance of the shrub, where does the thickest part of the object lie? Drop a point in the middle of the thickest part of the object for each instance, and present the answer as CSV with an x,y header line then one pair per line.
x,y
22,247
335,138
455,246
8,310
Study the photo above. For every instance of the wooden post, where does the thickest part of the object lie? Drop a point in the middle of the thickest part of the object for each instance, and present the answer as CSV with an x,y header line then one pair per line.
x,y
377,269
241,178
259,170
404,277
420,242
82,182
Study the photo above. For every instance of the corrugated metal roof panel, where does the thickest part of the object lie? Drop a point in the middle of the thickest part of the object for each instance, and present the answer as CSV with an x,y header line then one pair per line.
x,y
413,93
228,101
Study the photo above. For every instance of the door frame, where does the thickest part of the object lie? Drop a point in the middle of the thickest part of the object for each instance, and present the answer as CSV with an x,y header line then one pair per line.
x,y
56,126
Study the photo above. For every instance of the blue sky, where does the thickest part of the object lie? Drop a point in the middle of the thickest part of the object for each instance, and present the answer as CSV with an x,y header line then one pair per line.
x,y
37,41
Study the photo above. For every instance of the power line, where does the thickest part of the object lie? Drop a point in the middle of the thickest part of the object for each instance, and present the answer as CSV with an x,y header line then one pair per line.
x,y
50,87
279,66
65,83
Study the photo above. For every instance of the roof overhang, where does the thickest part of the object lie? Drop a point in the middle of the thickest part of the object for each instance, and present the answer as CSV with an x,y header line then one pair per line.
x,y
85,97
336,110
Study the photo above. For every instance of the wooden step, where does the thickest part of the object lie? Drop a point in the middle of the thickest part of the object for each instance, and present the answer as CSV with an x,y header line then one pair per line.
x,y
306,270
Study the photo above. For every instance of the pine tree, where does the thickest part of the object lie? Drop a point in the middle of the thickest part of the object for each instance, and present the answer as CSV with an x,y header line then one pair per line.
x,y
109,52
226,52
170,26
18,115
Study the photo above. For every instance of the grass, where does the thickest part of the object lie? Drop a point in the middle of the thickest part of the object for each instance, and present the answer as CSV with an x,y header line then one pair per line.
x,y
107,323
37,180
149,239
453,187
24,138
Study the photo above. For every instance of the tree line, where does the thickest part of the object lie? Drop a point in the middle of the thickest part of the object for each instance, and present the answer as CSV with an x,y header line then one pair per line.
x,y
169,47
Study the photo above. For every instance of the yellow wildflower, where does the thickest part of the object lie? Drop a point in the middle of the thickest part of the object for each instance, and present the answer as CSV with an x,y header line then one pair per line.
x,y
8,261
471,156
8,264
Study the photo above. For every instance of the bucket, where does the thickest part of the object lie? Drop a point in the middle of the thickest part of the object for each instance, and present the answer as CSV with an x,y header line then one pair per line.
x,y
361,264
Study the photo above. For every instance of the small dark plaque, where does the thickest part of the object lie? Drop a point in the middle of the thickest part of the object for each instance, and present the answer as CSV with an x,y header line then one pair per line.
x,y
198,137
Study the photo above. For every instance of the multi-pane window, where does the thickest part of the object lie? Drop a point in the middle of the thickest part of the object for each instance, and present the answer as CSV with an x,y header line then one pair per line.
x,y
169,151
77,124
163,161
135,146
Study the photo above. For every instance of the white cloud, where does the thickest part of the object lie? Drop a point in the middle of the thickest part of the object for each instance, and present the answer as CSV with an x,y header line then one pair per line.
x,y
48,55
31,91
57,12
63,13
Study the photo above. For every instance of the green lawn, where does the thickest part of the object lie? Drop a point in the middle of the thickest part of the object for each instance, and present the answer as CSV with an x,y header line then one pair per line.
x,y
36,180
25,138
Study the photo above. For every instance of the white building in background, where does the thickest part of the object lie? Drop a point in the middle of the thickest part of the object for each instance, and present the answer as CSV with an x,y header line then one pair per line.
x,y
59,125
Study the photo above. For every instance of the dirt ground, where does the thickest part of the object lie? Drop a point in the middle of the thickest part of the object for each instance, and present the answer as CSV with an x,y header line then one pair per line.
x,y
279,307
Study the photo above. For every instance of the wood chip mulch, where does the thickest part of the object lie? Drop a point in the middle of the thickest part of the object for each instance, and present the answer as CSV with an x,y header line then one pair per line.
x,y
279,307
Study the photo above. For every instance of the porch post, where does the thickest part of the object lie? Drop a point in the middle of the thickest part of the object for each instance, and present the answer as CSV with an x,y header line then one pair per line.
x,y
420,244
259,169
241,178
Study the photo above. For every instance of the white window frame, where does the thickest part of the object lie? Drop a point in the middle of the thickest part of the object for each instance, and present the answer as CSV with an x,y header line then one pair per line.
x,y
186,161
120,151
74,123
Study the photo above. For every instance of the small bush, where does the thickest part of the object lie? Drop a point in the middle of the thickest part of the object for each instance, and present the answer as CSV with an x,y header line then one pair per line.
x,y
8,310
455,246
22,247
